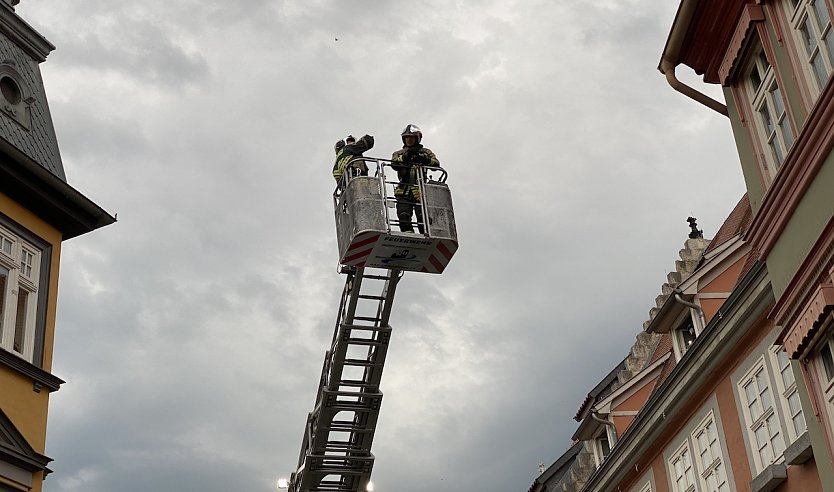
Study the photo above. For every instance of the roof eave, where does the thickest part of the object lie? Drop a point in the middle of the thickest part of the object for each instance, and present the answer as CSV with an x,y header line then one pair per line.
x,y
48,196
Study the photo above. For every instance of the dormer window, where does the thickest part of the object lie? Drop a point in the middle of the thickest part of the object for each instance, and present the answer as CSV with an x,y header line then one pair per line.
x,y
685,334
602,445
14,95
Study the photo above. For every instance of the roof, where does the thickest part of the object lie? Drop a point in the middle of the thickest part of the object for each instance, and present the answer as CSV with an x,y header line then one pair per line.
x,y
558,468
600,391
736,223
47,195
700,34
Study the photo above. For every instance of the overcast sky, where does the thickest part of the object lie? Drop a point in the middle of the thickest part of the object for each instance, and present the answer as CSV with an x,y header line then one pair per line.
x,y
192,331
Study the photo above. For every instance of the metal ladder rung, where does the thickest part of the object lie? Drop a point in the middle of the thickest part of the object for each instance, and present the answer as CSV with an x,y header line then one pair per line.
x,y
364,341
367,318
375,298
375,277
361,363
355,383
348,428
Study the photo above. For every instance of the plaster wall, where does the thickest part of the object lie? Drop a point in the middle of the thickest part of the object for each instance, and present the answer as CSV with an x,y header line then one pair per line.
x,y
746,154
815,210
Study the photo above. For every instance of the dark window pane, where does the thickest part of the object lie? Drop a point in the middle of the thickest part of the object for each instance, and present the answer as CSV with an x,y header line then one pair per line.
x,y
4,276
20,320
827,361
687,332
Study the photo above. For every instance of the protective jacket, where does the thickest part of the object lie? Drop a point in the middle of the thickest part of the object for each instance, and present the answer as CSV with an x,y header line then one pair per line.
x,y
350,151
405,162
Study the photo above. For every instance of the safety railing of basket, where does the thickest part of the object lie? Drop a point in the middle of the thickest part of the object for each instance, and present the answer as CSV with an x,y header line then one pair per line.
x,y
383,170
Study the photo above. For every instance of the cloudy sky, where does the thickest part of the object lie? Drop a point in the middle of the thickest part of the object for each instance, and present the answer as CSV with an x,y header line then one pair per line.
x,y
192,331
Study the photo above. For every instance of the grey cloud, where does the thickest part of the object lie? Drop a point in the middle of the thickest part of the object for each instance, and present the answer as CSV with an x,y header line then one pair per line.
x,y
192,331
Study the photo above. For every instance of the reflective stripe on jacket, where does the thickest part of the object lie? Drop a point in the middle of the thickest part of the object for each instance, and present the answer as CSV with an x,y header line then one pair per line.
x,y
348,152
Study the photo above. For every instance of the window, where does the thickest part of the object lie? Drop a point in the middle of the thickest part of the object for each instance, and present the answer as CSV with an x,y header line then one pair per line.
x,y
811,23
684,335
681,472
790,395
15,97
769,114
824,364
763,427
19,283
602,445
647,488
710,458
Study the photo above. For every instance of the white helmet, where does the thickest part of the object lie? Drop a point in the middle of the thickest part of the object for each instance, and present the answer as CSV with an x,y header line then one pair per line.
x,y
414,131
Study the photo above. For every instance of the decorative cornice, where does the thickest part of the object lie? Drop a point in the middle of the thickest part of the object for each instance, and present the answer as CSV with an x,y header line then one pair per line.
x,y
799,337
802,163
814,270
751,14
24,35
40,378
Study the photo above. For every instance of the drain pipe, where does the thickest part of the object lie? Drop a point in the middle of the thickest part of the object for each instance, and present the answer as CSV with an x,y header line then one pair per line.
x,y
668,69
692,305
669,62
595,416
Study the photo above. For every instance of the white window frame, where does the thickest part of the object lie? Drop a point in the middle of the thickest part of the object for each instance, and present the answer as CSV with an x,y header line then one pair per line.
x,y
813,34
683,456
766,418
23,276
774,131
647,487
678,342
826,382
599,453
710,458
788,392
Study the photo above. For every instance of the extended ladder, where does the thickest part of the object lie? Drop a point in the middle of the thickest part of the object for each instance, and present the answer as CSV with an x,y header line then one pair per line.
x,y
336,450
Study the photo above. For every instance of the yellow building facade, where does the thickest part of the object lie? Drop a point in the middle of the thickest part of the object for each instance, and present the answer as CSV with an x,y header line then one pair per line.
x,y
38,211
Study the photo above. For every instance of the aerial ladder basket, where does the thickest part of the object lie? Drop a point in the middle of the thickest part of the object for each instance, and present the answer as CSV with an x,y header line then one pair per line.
x,y
367,226
336,449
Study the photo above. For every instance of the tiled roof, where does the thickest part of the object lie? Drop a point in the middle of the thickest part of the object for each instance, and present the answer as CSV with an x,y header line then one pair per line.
x,y
736,223
663,347
601,390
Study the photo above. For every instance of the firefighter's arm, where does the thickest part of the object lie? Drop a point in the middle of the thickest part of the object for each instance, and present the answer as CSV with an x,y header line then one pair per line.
x,y
429,159
363,144
397,160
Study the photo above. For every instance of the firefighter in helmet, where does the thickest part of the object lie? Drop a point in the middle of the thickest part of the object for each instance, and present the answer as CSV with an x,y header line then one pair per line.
x,y
347,150
406,162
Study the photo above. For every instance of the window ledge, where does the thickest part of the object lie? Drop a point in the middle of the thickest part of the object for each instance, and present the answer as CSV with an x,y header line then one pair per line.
x,y
800,451
40,378
769,478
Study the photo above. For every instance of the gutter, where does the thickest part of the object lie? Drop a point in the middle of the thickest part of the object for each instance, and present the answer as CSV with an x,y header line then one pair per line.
x,y
671,53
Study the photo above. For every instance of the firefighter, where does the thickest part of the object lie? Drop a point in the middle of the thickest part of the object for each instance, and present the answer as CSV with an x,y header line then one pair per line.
x,y
406,162
348,149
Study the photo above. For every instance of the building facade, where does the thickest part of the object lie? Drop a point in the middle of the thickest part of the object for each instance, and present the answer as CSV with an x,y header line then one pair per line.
x,y
730,385
38,211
